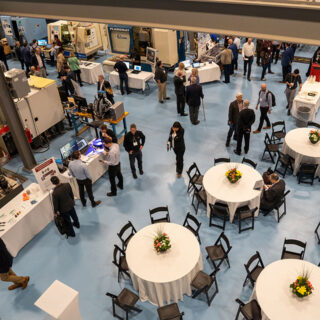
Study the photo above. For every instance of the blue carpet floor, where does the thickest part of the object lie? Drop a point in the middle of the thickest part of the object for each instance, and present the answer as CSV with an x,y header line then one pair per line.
x,y
85,262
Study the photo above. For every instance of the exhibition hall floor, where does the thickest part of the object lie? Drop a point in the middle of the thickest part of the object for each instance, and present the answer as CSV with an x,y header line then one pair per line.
x,y
85,262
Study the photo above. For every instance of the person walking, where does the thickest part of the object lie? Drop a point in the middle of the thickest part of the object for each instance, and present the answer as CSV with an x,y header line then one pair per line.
x,y
286,61
112,153
79,170
17,50
292,80
248,55
245,121
176,142
234,108
38,62
258,50
63,205
194,95
6,272
226,61
265,102
122,69
266,54
179,81
234,49
133,143
161,78
75,67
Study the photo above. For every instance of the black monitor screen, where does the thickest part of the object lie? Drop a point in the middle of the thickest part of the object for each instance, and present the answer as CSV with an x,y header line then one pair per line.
x,y
80,101
67,150
63,94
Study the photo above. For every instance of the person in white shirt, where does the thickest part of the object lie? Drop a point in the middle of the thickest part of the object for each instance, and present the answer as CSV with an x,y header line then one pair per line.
x,y
38,62
248,54
112,153
236,41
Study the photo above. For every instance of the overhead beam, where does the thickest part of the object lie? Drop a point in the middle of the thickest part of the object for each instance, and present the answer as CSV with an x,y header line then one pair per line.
x,y
293,21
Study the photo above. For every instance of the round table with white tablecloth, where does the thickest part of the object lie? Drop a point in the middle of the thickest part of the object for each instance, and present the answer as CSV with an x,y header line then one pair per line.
x,y
275,297
246,191
163,277
298,146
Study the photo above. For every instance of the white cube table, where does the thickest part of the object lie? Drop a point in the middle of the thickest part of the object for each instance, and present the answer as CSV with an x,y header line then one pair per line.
x,y
60,302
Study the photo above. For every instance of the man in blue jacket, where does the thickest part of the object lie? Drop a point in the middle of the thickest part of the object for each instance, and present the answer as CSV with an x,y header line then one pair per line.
x,y
26,55
194,95
234,49
286,60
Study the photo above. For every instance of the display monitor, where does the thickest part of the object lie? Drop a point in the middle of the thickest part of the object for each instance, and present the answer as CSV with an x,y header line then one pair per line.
x,y
63,95
42,42
196,64
127,64
186,63
67,150
81,144
151,54
80,101
137,68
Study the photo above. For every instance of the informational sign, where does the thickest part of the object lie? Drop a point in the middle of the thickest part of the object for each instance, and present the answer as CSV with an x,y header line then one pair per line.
x,y
43,173
203,40
120,38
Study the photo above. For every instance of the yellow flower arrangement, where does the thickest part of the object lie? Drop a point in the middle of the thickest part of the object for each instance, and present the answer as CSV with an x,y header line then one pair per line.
x,y
302,287
233,175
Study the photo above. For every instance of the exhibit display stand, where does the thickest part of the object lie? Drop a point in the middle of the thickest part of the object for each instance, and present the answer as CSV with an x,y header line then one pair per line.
x,y
60,302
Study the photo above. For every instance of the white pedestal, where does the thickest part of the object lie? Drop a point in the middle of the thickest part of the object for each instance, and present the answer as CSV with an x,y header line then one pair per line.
x,y
60,302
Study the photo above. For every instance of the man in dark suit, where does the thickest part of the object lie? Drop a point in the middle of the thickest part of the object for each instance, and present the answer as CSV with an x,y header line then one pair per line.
x,y
63,204
67,83
234,109
6,273
26,55
245,121
179,81
104,86
122,69
193,95
273,193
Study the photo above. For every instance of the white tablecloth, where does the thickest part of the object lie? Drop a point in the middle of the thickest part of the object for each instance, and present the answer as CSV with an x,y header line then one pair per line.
x,y
302,99
135,81
91,72
163,277
207,73
274,295
19,230
235,195
297,145
60,302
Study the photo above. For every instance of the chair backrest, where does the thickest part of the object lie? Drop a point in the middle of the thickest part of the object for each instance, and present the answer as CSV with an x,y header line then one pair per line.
x,y
117,253
219,206
278,124
193,170
295,242
226,242
129,226
267,139
218,160
313,124
255,258
317,232
157,210
194,221
308,168
252,163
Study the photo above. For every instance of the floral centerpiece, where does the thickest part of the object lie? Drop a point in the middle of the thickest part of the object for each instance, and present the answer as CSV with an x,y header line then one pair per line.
x,y
233,175
314,136
302,287
161,242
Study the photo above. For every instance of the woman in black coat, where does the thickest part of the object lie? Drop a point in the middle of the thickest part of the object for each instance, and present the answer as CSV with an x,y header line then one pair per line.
x,y
6,273
176,142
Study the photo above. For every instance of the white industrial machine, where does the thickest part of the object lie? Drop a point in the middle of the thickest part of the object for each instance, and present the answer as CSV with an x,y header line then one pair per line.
x,y
79,37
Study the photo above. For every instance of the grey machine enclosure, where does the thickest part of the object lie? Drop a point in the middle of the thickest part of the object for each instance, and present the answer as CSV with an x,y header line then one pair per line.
x,y
117,110
17,82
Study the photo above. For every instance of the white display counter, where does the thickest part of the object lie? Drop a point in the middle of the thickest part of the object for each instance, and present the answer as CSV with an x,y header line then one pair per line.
x,y
90,71
23,220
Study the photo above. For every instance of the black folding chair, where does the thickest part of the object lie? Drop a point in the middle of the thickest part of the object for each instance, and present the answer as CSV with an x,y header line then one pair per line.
x,y
125,236
307,173
250,310
120,261
195,177
280,204
317,232
218,211
170,312
287,254
313,124
192,223
248,161
245,213
220,160
278,131
284,162
270,148
161,212
253,272
200,195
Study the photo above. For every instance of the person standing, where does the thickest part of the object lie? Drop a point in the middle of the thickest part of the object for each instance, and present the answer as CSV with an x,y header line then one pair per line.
x,y
176,142
79,170
135,57
286,60
6,273
161,78
245,121
34,72
179,81
122,69
63,205
266,54
237,42
248,54
3,57
104,86
75,67
57,41
17,50
292,80
38,62
276,50
265,102
258,49
194,73
112,152
67,83
133,143
235,107
26,55
234,49
61,60
107,133
226,60
194,95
